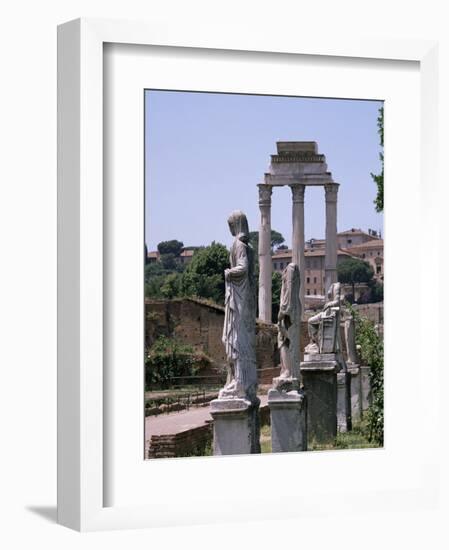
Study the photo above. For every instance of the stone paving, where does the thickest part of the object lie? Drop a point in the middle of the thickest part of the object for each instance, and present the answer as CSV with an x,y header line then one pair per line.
x,y
176,422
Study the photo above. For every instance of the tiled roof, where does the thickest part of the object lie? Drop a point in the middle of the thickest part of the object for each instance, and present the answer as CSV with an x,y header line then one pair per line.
x,y
376,243
287,254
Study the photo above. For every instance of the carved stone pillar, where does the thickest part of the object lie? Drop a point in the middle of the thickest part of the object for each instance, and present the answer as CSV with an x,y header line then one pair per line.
x,y
265,261
330,262
298,236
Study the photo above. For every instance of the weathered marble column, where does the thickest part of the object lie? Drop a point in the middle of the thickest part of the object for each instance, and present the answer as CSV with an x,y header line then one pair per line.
x,y
330,262
265,261
298,235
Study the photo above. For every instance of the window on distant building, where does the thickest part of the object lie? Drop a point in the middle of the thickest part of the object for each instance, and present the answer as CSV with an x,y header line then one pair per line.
x,y
349,241
275,265
314,280
307,280
378,268
314,291
363,255
308,292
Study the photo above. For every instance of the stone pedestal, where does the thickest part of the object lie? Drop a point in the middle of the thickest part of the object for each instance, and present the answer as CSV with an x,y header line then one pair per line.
x,y
288,412
356,392
319,375
344,423
365,382
236,426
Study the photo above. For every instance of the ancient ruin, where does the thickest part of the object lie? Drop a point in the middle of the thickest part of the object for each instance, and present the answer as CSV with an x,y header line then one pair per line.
x,y
296,164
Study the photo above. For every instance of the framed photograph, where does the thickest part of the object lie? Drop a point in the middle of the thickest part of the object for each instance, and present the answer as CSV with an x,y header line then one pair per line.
x,y
213,299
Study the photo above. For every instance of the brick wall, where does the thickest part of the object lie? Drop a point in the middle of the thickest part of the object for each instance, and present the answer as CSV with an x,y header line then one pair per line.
x,y
200,324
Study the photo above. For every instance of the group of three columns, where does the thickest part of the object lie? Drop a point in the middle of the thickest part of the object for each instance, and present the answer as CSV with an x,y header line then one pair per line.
x,y
298,242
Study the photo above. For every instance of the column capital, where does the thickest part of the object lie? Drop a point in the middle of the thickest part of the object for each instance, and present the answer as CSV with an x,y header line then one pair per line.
x,y
265,191
331,191
298,192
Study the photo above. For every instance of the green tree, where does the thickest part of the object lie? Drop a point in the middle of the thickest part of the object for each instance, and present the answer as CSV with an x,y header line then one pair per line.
x,y
153,287
204,276
276,284
171,286
153,269
377,292
169,261
170,247
276,240
352,271
372,354
379,178
168,360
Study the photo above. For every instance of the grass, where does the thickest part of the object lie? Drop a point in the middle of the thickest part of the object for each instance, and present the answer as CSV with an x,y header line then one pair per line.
x,y
265,439
355,439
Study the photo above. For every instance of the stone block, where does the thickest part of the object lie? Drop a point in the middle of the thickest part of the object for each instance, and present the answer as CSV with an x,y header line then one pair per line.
x,y
320,385
236,426
288,413
356,393
344,423
365,382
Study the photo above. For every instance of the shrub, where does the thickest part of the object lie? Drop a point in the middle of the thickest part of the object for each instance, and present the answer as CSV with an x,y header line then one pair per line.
x,y
372,355
169,359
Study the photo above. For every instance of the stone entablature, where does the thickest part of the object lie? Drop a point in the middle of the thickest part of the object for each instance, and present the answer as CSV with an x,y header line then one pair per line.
x,y
296,164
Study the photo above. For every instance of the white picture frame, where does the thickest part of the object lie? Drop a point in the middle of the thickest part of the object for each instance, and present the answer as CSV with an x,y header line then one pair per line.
x,y
82,394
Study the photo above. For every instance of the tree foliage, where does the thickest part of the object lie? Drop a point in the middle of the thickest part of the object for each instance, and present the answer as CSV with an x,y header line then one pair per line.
x,y
171,286
204,276
379,178
170,247
276,240
372,354
352,271
276,285
169,359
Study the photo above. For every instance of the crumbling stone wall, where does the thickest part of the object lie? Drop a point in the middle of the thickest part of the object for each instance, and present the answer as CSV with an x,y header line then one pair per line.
x,y
200,324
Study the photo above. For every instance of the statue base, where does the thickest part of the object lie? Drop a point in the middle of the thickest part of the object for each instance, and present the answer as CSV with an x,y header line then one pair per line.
x,y
365,382
286,384
344,417
288,413
319,375
236,426
355,385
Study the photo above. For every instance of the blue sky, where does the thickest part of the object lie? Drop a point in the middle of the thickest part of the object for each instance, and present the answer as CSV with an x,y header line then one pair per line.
x,y
206,153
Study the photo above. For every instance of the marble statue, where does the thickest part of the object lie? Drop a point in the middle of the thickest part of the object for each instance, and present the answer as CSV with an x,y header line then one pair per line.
x,y
324,327
349,331
239,328
289,319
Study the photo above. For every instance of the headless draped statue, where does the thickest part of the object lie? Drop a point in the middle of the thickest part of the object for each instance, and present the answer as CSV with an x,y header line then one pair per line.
x,y
289,319
239,331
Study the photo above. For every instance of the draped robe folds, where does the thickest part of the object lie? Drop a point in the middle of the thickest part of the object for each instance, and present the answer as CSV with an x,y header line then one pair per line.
x,y
288,321
240,319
